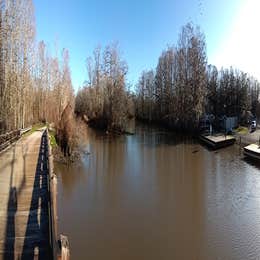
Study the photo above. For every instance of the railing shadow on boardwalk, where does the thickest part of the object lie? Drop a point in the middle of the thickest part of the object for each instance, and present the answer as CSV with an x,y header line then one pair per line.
x,y
11,211
36,241
10,227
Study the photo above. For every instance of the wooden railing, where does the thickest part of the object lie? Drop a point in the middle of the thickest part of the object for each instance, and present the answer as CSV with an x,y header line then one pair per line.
x,y
12,136
60,246
8,138
25,130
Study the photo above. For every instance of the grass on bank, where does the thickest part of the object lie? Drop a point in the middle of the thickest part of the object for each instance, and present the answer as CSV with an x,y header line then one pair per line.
x,y
52,138
39,126
35,128
242,130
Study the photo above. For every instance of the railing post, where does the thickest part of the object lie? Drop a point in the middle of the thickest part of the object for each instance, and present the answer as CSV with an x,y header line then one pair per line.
x,y
60,246
65,251
53,200
54,205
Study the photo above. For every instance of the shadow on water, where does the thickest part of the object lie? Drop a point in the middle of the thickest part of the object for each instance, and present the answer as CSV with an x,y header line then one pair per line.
x,y
149,136
252,161
158,136
37,228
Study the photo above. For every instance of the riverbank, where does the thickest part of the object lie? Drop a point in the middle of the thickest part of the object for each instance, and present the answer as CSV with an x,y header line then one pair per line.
x,y
242,135
248,138
78,148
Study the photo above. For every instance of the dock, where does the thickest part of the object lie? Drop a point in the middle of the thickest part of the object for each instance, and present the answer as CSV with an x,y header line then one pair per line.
x,y
252,150
28,207
217,141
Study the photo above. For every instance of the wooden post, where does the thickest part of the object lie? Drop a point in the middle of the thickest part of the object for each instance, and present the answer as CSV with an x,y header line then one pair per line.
x,y
54,204
65,251
54,216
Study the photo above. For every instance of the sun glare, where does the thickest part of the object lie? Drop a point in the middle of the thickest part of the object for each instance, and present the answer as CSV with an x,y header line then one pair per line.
x,y
240,48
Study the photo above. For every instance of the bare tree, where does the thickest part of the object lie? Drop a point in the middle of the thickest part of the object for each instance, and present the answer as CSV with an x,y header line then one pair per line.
x,y
105,100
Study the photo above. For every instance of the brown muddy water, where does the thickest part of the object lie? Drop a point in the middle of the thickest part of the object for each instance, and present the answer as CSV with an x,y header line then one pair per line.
x,y
157,195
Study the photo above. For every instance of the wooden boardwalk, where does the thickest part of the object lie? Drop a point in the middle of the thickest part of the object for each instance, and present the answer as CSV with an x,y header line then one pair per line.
x,y
24,200
253,151
217,141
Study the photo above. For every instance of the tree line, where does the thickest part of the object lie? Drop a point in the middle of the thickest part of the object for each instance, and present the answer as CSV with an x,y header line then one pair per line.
x,y
183,87
33,85
232,93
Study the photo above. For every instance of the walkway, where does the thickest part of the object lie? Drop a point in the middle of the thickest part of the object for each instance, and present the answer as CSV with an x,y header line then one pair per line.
x,y
24,199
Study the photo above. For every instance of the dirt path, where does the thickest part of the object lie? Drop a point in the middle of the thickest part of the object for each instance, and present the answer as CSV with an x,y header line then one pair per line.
x,y
24,224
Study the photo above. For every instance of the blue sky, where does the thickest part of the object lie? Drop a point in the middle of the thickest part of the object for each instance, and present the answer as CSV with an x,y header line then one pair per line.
x,y
143,28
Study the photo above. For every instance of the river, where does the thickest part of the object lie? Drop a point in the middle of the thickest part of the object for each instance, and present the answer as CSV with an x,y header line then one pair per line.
x,y
157,195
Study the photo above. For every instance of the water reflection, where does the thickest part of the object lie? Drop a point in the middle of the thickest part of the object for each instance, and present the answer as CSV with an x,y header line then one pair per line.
x,y
70,176
158,195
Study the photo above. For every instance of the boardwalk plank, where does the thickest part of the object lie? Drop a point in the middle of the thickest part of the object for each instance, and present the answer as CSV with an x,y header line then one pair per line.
x,y
24,200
